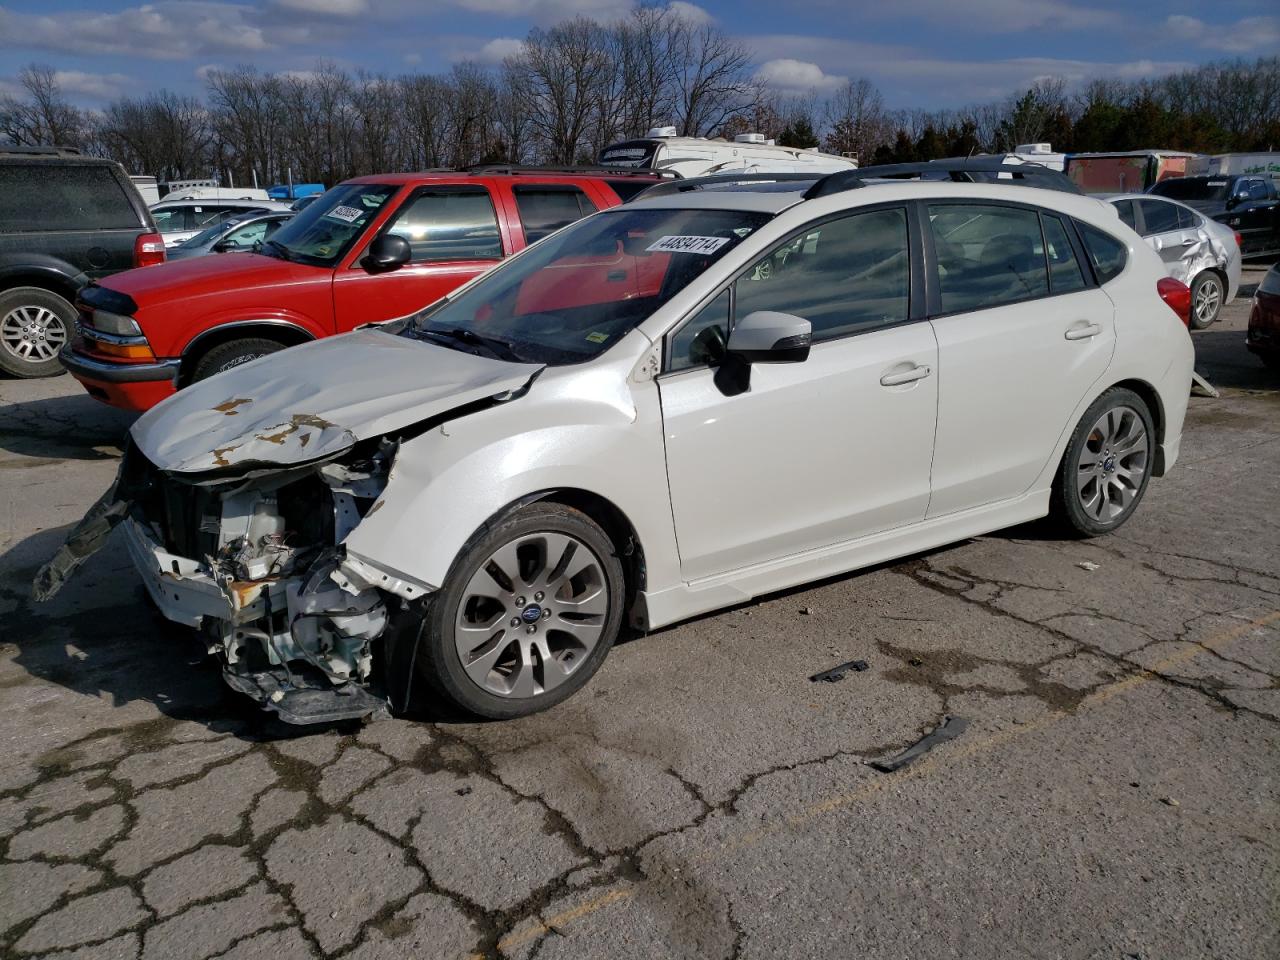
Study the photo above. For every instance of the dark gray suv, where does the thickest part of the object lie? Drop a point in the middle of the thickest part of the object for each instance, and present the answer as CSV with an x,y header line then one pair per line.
x,y
65,219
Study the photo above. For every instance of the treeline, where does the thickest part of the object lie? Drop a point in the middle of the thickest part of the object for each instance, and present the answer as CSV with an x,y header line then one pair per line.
x,y
569,90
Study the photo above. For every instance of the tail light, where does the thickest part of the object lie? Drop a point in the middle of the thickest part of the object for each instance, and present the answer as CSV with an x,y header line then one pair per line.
x,y
1239,241
148,250
1177,295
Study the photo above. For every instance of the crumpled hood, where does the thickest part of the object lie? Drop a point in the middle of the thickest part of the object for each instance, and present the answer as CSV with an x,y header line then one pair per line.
x,y
316,400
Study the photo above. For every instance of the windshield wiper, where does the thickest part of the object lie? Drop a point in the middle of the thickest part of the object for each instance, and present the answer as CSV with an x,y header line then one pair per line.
x,y
497,348
284,253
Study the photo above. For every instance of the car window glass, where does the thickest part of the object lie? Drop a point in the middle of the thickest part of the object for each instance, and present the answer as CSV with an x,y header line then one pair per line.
x,y
1257,190
544,210
449,224
244,237
172,219
327,229
1127,215
1187,219
1107,254
987,256
1158,217
844,276
1065,275
698,341
52,196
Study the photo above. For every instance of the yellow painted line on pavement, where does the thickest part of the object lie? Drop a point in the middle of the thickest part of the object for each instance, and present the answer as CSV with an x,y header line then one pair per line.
x,y
952,753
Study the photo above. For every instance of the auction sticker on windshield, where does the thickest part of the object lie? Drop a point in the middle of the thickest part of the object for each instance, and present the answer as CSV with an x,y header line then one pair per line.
x,y
702,245
347,214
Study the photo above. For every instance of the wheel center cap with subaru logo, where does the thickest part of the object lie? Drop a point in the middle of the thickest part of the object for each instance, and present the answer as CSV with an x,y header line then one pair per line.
x,y
532,613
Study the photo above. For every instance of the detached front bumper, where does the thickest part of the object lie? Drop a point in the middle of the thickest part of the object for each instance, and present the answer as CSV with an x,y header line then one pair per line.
x,y
130,386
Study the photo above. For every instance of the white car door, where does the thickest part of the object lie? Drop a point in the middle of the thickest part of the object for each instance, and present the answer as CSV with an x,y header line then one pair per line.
x,y
816,452
1023,336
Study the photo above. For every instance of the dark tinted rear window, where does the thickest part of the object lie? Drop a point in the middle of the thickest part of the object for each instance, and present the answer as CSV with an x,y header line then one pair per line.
x,y
545,209
1107,254
53,196
1197,189
628,188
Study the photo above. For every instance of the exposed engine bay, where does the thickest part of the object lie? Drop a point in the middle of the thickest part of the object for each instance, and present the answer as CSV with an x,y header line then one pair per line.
x,y
255,563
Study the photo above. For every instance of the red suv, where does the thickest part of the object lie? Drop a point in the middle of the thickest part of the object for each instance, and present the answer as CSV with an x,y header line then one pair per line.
x,y
372,248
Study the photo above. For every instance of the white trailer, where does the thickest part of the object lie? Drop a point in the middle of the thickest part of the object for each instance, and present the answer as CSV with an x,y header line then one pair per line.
x,y
661,149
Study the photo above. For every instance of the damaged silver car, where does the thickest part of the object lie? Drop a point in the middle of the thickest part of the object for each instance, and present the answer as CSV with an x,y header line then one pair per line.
x,y
1197,250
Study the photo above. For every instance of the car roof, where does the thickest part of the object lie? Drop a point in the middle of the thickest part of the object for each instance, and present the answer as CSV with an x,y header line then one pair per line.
x,y
503,173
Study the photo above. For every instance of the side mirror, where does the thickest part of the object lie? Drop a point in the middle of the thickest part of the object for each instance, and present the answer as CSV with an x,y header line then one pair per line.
x,y
222,246
387,252
769,337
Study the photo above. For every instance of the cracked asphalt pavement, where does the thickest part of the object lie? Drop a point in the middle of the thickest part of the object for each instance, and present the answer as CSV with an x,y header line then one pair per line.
x,y
1114,796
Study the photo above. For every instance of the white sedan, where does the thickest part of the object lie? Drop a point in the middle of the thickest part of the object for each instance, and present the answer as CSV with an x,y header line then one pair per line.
x,y
1201,252
634,420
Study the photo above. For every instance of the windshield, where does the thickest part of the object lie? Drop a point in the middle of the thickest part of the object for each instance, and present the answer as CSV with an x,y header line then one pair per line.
x,y
1196,189
581,290
327,228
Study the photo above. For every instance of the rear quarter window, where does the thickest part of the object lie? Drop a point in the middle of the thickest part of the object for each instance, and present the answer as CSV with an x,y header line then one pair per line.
x,y
1107,254
53,196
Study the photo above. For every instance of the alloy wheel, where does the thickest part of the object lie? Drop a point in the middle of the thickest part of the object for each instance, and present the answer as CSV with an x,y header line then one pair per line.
x,y
33,334
531,615
1208,301
1112,464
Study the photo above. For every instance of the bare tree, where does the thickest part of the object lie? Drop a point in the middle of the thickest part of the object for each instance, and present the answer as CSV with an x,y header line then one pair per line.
x,y
709,76
562,69
858,121
43,116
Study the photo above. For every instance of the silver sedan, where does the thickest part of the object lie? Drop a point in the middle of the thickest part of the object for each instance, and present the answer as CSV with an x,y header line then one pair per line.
x,y
241,234
1202,253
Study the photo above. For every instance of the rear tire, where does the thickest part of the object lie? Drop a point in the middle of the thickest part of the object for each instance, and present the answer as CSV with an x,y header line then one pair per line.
x,y
34,325
1207,296
516,643
234,353
1106,466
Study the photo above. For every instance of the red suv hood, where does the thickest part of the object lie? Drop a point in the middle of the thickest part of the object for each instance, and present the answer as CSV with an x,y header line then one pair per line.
x,y
210,276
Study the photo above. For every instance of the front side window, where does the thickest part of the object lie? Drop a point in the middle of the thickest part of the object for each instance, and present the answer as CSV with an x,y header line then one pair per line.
x,y
1158,217
545,209
844,276
1107,254
702,340
322,233
243,238
1257,190
582,290
449,223
987,255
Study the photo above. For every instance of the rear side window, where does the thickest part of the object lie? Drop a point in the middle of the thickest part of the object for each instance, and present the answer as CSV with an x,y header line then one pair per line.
x,y
173,219
53,196
1065,275
1186,219
1127,216
1158,217
629,187
1107,254
545,209
449,223
987,255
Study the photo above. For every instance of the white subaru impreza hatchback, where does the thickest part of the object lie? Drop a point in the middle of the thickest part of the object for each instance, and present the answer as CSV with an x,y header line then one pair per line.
x,y
721,389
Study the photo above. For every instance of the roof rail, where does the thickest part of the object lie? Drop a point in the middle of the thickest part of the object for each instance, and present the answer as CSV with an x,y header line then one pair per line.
x,y
697,183
42,151
601,171
969,170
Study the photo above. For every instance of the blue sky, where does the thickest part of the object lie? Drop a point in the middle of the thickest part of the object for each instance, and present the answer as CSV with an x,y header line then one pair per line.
x,y
921,53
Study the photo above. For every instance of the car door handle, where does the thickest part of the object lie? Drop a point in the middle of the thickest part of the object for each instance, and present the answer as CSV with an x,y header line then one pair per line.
x,y
1189,243
1083,332
905,376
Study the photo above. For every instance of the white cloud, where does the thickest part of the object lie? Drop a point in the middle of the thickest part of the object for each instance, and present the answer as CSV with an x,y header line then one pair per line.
x,y
169,30
690,12
331,8
797,76
95,86
1000,16
548,11
498,49
1244,36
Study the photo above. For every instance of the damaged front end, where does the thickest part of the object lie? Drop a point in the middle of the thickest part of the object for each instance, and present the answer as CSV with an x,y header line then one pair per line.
x,y
254,560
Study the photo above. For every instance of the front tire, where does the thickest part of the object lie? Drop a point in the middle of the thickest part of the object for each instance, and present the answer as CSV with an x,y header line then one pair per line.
x,y
34,325
232,354
527,613
1107,464
1207,296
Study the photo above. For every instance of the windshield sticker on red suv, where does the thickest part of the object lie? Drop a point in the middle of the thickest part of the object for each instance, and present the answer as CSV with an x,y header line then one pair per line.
x,y
347,214
702,245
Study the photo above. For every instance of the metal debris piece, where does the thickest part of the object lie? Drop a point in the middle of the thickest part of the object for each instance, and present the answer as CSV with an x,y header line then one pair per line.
x,y
1088,565
949,729
837,673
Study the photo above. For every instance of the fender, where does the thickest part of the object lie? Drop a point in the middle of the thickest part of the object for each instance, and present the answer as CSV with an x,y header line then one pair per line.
x,y
448,482
21,269
304,331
